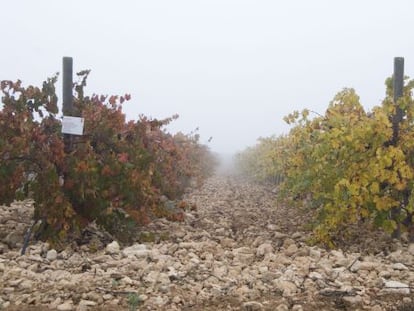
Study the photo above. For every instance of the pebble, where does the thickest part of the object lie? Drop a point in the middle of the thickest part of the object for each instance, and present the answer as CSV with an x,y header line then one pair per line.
x,y
66,306
51,255
252,306
112,248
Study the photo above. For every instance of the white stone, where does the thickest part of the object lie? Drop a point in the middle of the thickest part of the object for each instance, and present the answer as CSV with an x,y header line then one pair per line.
x,y
107,297
113,248
220,271
399,266
177,299
66,306
264,249
252,306
291,250
297,308
160,301
5,304
288,242
87,303
288,288
26,284
152,277
282,307
143,297
51,255
315,276
263,269
367,265
396,287
136,250
411,249
243,255
353,300
315,253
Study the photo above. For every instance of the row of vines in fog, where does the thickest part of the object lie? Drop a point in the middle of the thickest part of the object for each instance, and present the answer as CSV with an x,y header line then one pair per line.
x,y
117,169
350,164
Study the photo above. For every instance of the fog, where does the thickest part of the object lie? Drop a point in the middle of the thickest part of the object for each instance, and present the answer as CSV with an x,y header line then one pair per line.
x,y
232,68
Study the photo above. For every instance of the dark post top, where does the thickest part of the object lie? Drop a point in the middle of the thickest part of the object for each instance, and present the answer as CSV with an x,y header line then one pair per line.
x,y
67,84
398,78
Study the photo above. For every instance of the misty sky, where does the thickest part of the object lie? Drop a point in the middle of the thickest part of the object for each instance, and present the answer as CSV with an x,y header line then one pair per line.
x,y
233,68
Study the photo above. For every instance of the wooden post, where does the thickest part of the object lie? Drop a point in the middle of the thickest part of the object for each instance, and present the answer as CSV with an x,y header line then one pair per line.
x,y
67,86
398,88
398,77
67,95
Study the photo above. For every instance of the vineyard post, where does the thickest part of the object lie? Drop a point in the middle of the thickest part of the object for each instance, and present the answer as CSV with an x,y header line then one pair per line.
x,y
67,95
398,89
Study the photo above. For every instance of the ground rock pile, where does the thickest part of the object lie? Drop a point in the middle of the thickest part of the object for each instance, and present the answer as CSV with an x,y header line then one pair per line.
x,y
239,250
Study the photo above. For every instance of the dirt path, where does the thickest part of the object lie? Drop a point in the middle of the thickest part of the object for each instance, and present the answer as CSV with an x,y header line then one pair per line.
x,y
239,250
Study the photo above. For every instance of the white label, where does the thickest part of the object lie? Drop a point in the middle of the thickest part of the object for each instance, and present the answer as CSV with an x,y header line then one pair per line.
x,y
72,125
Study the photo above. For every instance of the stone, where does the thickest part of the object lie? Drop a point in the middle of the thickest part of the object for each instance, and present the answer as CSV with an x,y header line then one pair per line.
x,y
88,303
411,248
5,304
15,282
399,266
51,255
278,235
107,297
315,254
315,276
352,300
272,227
396,287
164,279
287,288
13,239
160,301
386,274
288,242
112,248
66,306
297,235
263,269
151,277
143,297
220,271
297,308
291,250
364,265
177,299
263,249
8,290
252,306
136,250
243,255
282,307
227,242
26,284
396,256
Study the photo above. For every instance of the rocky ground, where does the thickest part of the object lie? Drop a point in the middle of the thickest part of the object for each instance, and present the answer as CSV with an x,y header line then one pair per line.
x,y
239,250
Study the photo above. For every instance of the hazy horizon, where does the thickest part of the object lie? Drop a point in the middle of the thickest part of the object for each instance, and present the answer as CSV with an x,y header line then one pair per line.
x,y
232,68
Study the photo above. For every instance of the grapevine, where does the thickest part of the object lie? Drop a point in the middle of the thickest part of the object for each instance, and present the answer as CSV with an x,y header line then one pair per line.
x,y
348,162
115,168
